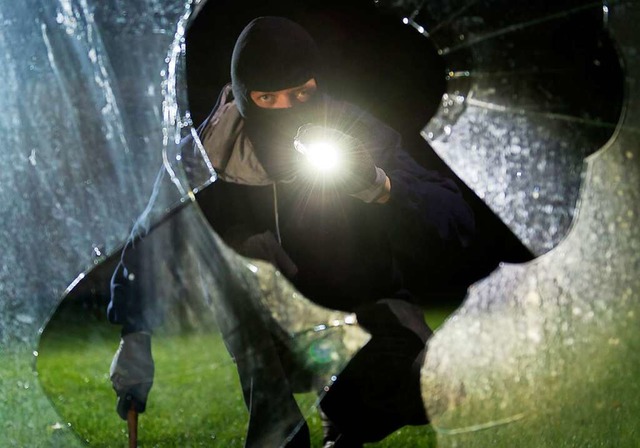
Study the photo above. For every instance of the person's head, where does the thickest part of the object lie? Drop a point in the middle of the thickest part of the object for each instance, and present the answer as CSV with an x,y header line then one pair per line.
x,y
274,66
274,77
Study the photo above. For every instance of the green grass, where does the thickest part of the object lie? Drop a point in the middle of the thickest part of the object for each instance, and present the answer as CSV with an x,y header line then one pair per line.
x,y
26,416
196,398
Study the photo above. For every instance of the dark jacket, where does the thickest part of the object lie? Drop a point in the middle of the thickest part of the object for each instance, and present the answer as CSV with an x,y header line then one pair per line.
x,y
345,252
336,249
339,251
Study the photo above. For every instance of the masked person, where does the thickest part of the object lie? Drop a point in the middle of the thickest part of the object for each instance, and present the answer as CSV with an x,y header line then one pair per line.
x,y
352,237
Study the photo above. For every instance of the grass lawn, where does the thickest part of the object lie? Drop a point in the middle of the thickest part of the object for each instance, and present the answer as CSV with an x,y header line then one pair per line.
x,y
195,401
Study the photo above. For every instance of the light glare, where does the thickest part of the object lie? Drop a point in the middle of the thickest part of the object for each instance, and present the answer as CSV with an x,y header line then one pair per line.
x,y
322,156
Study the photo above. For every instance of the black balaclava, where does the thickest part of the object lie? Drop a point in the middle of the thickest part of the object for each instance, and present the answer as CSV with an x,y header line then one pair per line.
x,y
271,54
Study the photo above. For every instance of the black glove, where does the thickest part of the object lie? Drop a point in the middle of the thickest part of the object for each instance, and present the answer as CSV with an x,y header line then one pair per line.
x,y
355,171
131,373
262,246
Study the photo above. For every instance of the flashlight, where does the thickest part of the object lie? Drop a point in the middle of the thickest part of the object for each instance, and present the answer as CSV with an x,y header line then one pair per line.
x,y
320,148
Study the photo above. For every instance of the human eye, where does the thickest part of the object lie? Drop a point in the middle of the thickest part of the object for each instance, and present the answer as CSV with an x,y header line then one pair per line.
x,y
266,98
303,95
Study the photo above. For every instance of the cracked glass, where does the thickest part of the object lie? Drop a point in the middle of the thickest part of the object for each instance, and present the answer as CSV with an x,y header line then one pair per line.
x,y
540,354
96,110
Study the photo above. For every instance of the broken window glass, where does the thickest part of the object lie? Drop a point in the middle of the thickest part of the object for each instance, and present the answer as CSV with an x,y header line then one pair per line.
x,y
519,111
543,354
82,137
96,101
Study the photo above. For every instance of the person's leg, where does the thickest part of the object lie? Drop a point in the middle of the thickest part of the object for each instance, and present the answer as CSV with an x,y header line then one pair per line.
x,y
379,390
274,416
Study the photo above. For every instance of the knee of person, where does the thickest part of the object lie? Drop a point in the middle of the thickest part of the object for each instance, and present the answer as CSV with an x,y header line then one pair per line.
x,y
394,317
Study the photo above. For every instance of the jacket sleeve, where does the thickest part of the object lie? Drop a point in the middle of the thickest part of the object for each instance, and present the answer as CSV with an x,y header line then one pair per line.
x,y
134,300
135,303
130,306
428,221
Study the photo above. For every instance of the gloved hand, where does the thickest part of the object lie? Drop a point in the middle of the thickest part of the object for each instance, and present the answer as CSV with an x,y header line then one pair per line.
x,y
356,170
131,373
264,246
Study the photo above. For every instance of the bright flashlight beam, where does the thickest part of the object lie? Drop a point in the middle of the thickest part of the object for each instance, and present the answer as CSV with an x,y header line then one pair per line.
x,y
322,156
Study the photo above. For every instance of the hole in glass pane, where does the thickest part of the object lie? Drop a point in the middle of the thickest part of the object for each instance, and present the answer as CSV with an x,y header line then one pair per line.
x,y
78,329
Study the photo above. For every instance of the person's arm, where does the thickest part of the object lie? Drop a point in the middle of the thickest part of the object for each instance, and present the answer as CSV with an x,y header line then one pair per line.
x,y
132,368
135,307
428,221
430,198
420,204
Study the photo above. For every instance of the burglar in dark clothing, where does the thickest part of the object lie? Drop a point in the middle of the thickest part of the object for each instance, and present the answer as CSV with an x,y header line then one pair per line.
x,y
354,233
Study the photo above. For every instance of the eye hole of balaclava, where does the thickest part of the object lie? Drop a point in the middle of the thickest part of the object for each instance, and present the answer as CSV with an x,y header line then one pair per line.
x,y
271,54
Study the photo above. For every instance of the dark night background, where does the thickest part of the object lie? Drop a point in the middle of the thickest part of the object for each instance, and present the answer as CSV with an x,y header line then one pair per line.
x,y
372,59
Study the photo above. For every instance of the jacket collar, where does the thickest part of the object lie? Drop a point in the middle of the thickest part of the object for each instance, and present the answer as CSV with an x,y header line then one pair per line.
x,y
229,149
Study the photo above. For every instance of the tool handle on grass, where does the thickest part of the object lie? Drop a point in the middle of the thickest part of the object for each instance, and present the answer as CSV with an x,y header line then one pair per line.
x,y
132,424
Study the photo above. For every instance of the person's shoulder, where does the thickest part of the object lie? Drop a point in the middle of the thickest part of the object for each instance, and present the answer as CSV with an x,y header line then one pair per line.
x,y
224,120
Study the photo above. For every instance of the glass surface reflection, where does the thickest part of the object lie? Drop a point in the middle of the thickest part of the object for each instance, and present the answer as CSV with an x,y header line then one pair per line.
x,y
545,353
79,74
